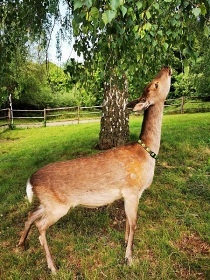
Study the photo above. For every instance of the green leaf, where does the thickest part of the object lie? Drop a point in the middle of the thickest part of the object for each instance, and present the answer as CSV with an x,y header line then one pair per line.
x,y
114,4
165,46
88,3
186,67
108,16
75,26
196,12
148,15
203,9
94,13
136,28
123,10
147,26
160,32
206,31
77,4
142,33
156,6
139,4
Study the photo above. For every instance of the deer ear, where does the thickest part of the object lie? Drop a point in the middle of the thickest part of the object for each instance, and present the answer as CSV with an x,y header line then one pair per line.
x,y
156,85
142,105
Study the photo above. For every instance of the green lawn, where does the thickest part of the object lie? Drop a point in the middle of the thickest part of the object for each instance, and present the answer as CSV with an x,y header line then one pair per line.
x,y
173,236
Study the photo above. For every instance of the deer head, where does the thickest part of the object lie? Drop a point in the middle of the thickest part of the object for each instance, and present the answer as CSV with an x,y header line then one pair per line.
x,y
155,92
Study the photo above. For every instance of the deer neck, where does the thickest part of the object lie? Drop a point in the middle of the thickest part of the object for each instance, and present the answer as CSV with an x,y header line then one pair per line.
x,y
151,127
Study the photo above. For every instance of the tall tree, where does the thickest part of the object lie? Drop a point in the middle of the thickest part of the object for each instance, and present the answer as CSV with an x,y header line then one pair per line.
x,y
119,35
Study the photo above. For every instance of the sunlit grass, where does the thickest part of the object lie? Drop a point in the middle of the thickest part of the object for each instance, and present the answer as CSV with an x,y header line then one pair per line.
x,y
173,236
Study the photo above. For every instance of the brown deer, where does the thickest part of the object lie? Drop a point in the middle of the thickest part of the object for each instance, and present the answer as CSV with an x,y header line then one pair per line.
x,y
119,173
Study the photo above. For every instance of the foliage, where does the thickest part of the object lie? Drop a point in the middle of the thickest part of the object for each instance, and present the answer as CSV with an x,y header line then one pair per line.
x,y
184,85
119,32
172,239
202,72
89,81
193,81
203,84
40,85
36,89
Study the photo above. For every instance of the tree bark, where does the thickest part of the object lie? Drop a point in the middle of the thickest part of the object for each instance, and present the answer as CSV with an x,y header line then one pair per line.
x,y
115,118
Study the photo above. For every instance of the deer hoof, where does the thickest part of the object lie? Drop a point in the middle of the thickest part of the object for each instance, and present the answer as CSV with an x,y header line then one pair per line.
x,y
128,260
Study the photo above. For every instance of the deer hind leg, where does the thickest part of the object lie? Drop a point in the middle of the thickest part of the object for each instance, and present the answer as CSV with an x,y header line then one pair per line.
x,y
31,219
131,207
49,218
43,241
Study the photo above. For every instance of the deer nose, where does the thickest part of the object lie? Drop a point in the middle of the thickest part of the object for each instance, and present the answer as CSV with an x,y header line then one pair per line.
x,y
142,99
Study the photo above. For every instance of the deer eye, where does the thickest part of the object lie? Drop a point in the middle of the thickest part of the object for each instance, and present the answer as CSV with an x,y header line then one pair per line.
x,y
156,85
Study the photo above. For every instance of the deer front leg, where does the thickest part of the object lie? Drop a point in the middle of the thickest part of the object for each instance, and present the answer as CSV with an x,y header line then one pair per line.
x,y
127,230
131,206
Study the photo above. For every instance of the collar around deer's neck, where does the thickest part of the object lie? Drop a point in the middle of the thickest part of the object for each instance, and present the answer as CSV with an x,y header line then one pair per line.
x,y
152,154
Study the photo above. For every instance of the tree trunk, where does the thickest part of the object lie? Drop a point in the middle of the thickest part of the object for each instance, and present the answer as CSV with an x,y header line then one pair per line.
x,y
115,118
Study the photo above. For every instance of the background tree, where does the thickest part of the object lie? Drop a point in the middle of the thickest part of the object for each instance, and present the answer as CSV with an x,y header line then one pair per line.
x,y
90,81
21,24
18,25
194,81
201,71
38,87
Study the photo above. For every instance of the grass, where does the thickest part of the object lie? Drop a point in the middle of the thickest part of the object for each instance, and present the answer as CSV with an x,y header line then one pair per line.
x,y
173,236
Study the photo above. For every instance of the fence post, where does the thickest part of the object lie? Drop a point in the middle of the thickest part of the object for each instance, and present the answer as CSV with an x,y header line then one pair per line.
x,y
45,118
9,116
11,112
182,105
78,114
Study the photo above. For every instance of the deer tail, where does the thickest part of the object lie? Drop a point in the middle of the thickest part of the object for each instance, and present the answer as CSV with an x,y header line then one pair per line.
x,y
29,191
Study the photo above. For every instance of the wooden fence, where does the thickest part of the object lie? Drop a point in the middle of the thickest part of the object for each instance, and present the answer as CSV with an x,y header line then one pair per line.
x,y
46,116
79,114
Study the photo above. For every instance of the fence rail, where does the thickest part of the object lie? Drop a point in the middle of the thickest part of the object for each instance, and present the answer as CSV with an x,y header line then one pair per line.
x,y
77,114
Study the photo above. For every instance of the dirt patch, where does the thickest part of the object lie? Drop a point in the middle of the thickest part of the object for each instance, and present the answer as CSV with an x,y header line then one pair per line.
x,y
193,245
187,274
195,248
117,215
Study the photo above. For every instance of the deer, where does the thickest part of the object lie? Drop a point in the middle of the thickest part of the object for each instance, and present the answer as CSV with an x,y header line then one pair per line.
x,y
123,172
